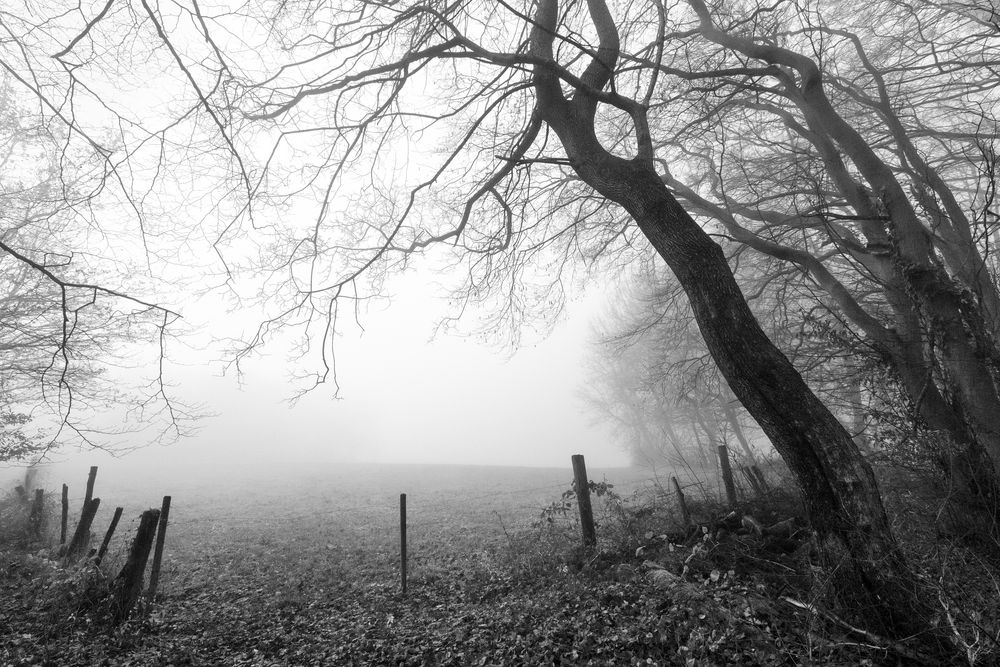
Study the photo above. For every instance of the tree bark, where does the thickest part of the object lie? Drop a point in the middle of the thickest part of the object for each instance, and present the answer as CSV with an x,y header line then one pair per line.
x,y
838,485
958,328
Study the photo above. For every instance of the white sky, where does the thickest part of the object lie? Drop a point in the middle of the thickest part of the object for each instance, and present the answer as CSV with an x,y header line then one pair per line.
x,y
404,398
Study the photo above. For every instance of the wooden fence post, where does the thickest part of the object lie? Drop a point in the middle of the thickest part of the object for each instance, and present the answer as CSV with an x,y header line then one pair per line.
x,y
128,584
727,476
161,532
685,513
82,534
65,514
107,536
402,539
91,478
583,500
37,513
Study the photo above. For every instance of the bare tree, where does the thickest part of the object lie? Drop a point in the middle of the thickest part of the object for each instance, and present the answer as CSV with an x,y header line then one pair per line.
x,y
858,146
549,123
70,328
644,415
655,382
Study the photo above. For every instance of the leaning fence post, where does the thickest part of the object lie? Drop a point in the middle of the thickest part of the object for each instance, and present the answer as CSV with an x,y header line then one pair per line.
x,y
65,514
91,478
128,583
685,513
82,534
402,539
727,476
107,536
161,532
583,500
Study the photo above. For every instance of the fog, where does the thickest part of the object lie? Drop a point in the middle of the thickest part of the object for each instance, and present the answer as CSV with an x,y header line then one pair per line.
x,y
406,396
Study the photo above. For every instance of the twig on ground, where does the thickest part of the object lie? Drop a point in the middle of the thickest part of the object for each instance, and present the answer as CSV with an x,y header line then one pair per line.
x,y
883,643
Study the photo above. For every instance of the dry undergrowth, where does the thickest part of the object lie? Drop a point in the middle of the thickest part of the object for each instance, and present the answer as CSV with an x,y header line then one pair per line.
x,y
725,592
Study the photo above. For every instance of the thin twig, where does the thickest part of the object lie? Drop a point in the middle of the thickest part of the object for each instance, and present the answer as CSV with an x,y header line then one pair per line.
x,y
896,646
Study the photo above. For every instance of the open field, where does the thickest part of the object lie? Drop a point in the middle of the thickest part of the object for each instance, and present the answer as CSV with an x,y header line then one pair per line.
x,y
298,565
294,564
340,507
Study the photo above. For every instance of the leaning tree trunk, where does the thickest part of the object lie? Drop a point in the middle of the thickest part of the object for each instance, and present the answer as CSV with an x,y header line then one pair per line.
x,y
962,318
839,487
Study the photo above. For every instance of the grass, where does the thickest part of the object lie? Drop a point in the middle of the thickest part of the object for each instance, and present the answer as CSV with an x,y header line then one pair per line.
x,y
304,571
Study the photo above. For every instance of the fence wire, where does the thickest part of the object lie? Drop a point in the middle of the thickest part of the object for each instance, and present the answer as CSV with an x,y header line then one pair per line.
x,y
327,525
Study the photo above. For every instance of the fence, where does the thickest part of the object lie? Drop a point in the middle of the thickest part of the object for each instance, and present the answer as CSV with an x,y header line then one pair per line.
x,y
381,526
127,586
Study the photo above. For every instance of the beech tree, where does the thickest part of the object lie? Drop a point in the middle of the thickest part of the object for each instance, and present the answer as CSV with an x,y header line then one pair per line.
x,y
859,145
535,134
838,485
